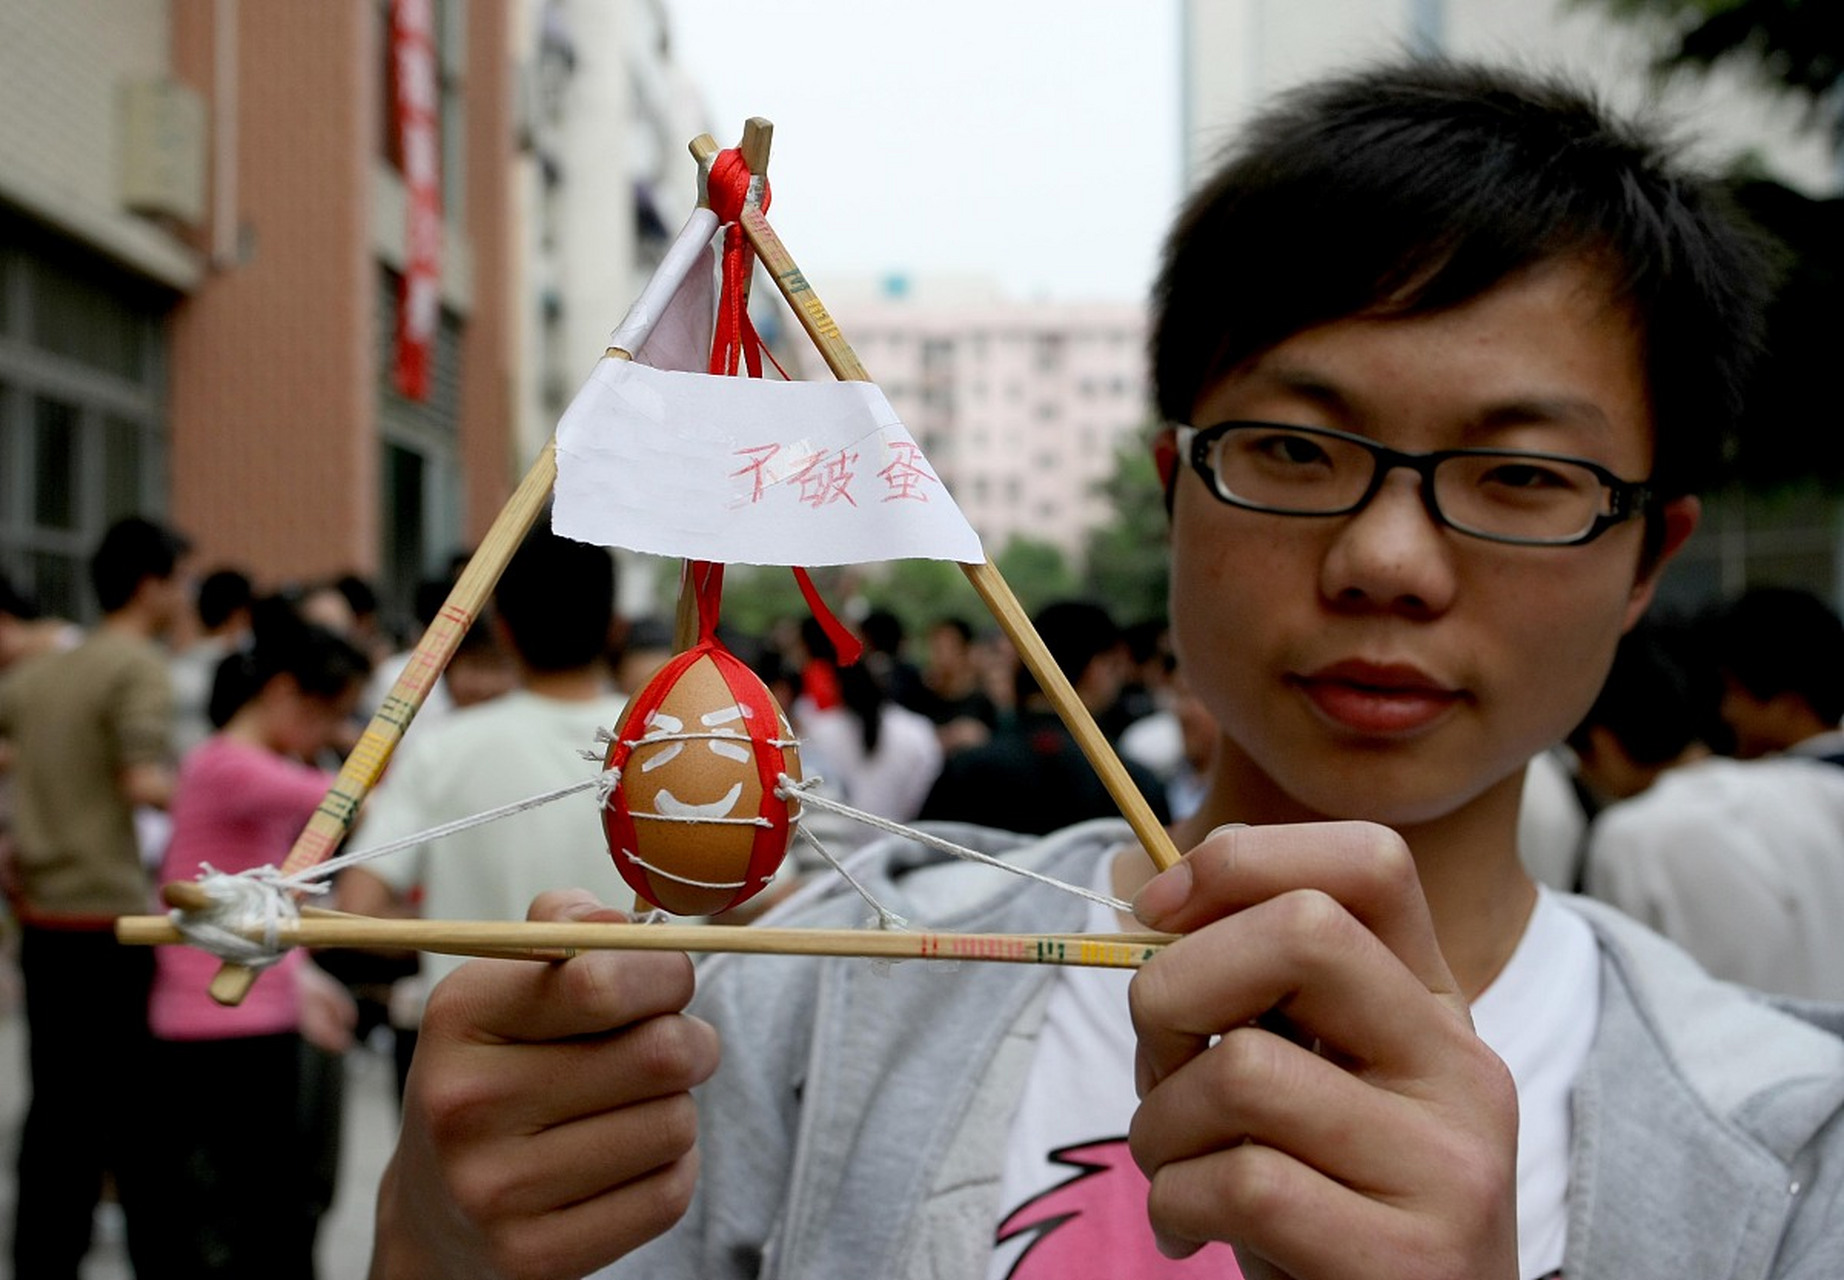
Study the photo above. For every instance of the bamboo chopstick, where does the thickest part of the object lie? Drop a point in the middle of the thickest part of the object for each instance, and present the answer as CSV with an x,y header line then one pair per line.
x,y
546,940
985,577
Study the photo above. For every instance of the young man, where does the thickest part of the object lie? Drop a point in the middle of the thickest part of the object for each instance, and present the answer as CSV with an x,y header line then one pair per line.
x,y
89,731
554,607
1393,267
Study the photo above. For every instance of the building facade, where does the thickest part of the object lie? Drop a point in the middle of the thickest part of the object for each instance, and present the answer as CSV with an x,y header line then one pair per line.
x,y
1019,406
602,182
205,212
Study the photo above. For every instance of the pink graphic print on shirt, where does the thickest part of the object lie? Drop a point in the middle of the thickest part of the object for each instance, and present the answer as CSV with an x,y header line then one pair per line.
x,y
1093,1226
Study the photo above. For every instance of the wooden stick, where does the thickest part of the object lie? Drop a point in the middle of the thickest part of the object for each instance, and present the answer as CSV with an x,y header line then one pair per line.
x,y
545,940
985,576
332,821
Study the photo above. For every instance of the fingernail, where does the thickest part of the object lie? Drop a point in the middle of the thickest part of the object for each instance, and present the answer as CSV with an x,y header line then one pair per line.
x,y
1161,897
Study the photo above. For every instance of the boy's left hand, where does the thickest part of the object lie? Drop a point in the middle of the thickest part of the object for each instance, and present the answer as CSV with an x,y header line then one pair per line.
x,y
1311,1087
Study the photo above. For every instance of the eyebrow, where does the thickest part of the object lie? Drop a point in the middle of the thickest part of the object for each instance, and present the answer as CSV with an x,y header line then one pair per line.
x,y
1314,386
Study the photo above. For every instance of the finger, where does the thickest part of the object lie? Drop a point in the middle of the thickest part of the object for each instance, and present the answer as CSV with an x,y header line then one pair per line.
x,y
522,1002
1255,1086
583,1237
572,904
1366,867
520,1176
1288,1214
1305,957
468,1091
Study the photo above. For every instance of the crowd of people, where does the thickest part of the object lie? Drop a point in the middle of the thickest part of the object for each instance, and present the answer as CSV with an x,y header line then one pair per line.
x,y
198,724
1393,1036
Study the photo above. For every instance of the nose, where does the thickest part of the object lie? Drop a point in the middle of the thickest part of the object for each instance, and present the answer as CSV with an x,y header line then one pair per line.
x,y
1391,554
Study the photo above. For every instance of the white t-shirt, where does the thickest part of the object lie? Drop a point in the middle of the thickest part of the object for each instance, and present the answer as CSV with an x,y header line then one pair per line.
x,y
1074,1203
511,748
891,782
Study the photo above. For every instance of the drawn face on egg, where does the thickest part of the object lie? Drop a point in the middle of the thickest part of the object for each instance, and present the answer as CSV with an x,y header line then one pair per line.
x,y
694,825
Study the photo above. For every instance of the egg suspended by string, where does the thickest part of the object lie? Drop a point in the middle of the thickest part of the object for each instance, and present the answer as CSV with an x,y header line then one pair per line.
x,y
695,822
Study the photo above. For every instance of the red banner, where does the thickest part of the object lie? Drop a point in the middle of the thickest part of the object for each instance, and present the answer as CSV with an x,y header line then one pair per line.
x,y
418,105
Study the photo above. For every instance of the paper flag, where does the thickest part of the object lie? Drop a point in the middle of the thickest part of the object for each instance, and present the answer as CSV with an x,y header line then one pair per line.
x,y
669,325
749,471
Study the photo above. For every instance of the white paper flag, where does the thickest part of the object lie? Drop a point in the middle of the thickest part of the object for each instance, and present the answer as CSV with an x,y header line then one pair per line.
x,y
669,325
749,471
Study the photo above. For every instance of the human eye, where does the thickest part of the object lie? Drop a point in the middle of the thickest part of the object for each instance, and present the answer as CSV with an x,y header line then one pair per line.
x,y
1279,449
1533,476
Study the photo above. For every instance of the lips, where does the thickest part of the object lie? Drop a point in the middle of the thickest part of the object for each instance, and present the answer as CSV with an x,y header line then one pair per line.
x,y
1377,699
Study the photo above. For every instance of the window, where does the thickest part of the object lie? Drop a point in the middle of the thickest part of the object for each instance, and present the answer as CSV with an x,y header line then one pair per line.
x,y
82,421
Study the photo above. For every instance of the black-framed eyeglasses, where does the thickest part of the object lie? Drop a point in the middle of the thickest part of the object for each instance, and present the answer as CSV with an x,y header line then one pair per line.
x,y
1501,495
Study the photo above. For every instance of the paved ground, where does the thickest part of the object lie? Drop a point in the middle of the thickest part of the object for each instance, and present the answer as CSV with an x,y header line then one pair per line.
x,y
345,1237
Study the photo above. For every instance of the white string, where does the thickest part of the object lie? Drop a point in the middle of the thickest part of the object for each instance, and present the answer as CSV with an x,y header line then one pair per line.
x,y
818,801
263,897
323,870
886,918
236,900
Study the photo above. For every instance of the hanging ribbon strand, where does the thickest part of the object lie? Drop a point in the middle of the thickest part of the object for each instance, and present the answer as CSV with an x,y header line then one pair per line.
x,y
735,344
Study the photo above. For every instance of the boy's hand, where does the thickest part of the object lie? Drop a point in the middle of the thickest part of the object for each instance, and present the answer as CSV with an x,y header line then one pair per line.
x,y
1347,1122
547,1127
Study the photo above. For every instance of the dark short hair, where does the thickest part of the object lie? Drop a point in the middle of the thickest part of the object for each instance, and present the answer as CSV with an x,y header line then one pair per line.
x,y
1076,632
882,631
132,550
955,623
322,663
557,599
360,596
1775,640
1408,188
1658,698
15,603
221,593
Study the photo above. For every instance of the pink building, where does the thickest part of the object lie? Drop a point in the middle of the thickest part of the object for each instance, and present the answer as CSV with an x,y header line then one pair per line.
x,y
1020,406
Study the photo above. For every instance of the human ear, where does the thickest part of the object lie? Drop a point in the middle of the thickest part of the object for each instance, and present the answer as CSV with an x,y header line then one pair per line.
x,y
1165,460
1679,518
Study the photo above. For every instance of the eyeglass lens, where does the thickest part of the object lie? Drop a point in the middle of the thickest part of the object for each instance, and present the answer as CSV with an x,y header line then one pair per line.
x,y
1504,495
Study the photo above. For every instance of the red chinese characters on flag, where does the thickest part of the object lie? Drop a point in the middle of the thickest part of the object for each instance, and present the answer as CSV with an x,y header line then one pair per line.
x,y
413,58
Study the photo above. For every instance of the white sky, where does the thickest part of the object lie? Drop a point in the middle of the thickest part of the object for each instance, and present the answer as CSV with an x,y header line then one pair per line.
x,y
1034,141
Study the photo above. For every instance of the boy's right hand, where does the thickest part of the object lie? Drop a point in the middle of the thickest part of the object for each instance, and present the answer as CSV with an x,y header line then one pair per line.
x,y
547,1127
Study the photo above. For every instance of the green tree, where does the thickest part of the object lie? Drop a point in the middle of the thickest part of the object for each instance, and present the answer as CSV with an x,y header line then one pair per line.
x,y
757,597
1787,436
1126,561
1799,44
1036,571
1791,44
922,592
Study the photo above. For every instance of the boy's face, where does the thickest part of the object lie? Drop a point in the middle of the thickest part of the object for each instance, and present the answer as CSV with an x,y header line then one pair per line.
x,y
1377,665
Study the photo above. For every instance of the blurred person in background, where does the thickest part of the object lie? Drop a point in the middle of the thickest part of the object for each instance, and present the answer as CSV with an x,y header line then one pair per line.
x,y
237,1185
645,646
1030,776
222,607
89,732
1739,861
953,693
869,751
554,607
1780,654
26,633
884,637
1176,741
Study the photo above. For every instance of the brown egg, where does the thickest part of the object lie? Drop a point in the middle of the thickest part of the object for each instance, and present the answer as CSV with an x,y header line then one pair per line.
x,y
694,825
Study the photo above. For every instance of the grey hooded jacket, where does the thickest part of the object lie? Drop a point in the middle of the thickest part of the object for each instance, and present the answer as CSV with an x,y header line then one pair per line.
x,y
857,1125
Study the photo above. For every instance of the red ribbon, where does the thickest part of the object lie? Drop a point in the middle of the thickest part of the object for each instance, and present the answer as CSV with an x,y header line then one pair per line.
x,y
735,346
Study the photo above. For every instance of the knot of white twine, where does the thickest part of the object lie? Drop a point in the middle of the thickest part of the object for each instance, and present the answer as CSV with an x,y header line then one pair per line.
x,y
243,923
